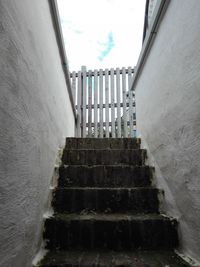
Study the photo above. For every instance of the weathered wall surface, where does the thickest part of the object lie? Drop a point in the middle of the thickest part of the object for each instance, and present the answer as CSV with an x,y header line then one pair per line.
x,y
35,117
168,116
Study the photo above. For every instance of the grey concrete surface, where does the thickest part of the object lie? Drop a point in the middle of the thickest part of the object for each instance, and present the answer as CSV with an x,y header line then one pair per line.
x,y
168,116
35,118
136,258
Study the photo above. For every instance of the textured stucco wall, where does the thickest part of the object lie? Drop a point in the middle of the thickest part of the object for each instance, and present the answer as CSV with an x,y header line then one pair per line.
x,y
168,116
35,116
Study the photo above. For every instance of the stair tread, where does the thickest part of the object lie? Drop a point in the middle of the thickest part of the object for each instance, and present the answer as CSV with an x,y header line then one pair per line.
x,y
105,166
110,200
105,149
99,143
102,138
105,175
110,217
110,231
108,258
136,188
104,156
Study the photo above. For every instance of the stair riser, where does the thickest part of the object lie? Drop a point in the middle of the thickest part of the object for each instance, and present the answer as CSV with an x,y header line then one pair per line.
x,y
101,157
106,200
102,143
104,176
113,259
116,235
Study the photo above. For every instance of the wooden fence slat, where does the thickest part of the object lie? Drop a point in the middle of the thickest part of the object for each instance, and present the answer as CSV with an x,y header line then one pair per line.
x,y
107,101
118,103
124,102
74,86
83,69
79,115
112,102
130,96
90,104
95,103
101,101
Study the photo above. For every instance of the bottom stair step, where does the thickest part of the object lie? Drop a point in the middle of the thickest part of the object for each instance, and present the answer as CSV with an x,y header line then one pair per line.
x,y
112,259
110,231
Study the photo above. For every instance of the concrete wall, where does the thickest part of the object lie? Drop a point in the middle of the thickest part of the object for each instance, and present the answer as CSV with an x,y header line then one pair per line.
x,y
168,116
35,117
152,4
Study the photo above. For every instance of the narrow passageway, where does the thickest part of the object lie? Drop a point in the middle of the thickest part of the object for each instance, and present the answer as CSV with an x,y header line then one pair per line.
x,y
106,212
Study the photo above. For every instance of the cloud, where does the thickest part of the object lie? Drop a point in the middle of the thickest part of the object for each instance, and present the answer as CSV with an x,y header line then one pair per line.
x,y
102,35
108,46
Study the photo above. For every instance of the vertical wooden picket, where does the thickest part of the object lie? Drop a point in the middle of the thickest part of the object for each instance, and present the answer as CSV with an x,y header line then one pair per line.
x,y
130,101
112,102
84,101
118,103
95,103
124,102
107,102
101,101
79,100
89,103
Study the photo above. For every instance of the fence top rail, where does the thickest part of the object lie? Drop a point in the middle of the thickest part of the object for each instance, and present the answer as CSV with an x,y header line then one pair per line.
x,y
103,72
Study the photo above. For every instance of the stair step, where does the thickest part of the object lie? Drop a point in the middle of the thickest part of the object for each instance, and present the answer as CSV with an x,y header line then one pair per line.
x,y
102,143
105,176
104,157
106,212
108,200
110,231
112,259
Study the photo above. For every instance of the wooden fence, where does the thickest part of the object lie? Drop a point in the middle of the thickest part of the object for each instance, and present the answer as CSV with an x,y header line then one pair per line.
x,y
104,103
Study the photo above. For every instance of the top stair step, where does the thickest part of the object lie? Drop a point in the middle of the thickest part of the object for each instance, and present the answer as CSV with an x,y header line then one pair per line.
x,y
102,143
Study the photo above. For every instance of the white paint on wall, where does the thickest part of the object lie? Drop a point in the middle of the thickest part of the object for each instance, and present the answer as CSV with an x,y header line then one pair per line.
x,y
168,116
35,117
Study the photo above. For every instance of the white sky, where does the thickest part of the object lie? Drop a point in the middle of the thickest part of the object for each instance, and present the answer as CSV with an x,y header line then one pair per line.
x,y
102,33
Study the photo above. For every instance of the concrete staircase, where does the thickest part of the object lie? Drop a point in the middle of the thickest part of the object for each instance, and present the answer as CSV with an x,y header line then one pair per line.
x,y
106,211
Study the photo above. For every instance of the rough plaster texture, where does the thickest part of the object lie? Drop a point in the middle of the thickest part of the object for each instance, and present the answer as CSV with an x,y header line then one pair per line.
x,y
168,116
35,116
